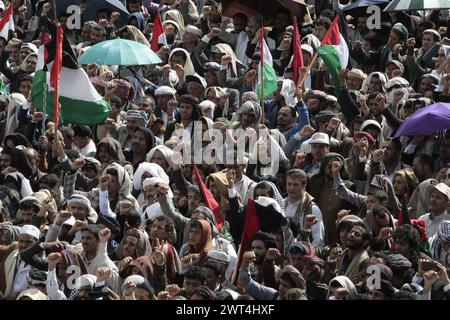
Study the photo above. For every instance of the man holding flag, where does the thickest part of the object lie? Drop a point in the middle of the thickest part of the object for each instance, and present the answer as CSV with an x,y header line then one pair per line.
x,y
81,104
334,51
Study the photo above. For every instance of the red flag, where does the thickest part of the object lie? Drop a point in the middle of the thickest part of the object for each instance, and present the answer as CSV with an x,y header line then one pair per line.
x,y
157,32
46,39
297,60
251,225
56,70
209,200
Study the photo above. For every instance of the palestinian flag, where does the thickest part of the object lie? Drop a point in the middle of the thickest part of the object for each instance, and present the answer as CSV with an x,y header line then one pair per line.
x,y
267,78
79,102
264,214
334,51
7,23
210,202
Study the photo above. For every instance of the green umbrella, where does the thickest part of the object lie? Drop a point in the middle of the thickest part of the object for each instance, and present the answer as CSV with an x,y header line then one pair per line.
x,y
119,52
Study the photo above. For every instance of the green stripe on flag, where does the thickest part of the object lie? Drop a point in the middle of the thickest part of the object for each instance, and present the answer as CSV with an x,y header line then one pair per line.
x,y
269,77
72,110
331,58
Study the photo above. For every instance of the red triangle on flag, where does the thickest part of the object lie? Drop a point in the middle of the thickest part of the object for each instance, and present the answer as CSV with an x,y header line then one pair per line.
x,y
210,202
332,37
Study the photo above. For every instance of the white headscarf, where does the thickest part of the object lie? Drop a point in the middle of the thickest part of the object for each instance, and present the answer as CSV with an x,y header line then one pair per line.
x,y
25,189
175,15
208,104
152,168
188,66
395,85
23,65
345,282
277,153
150,211
311,40
165,151
122,178
382,76
86,280
226,48
15,101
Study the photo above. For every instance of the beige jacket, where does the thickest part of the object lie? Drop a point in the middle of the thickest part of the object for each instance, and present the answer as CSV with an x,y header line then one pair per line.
x,y
10,268
352,270
5,251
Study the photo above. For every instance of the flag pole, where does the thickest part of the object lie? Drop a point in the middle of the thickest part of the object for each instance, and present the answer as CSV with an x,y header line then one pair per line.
x,y
261,63
44,95
301,80
44,104
55,11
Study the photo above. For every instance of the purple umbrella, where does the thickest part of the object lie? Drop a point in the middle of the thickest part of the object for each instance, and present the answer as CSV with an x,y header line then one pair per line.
x,y
426,121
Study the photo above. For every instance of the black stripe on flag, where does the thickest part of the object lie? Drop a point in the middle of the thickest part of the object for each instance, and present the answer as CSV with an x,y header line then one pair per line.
x,y
69,58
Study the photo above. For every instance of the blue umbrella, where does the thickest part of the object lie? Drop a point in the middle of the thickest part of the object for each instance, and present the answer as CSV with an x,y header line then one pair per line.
x,y
426,121
119,52
92,7
363,4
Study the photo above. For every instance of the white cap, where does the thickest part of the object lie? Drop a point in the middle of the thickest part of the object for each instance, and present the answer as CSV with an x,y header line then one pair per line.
x,y
30,230
320,138
136,279
31,46
308,49
164,90
152,182
368,123
194,30
442,188
2,5
207,104
86,280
